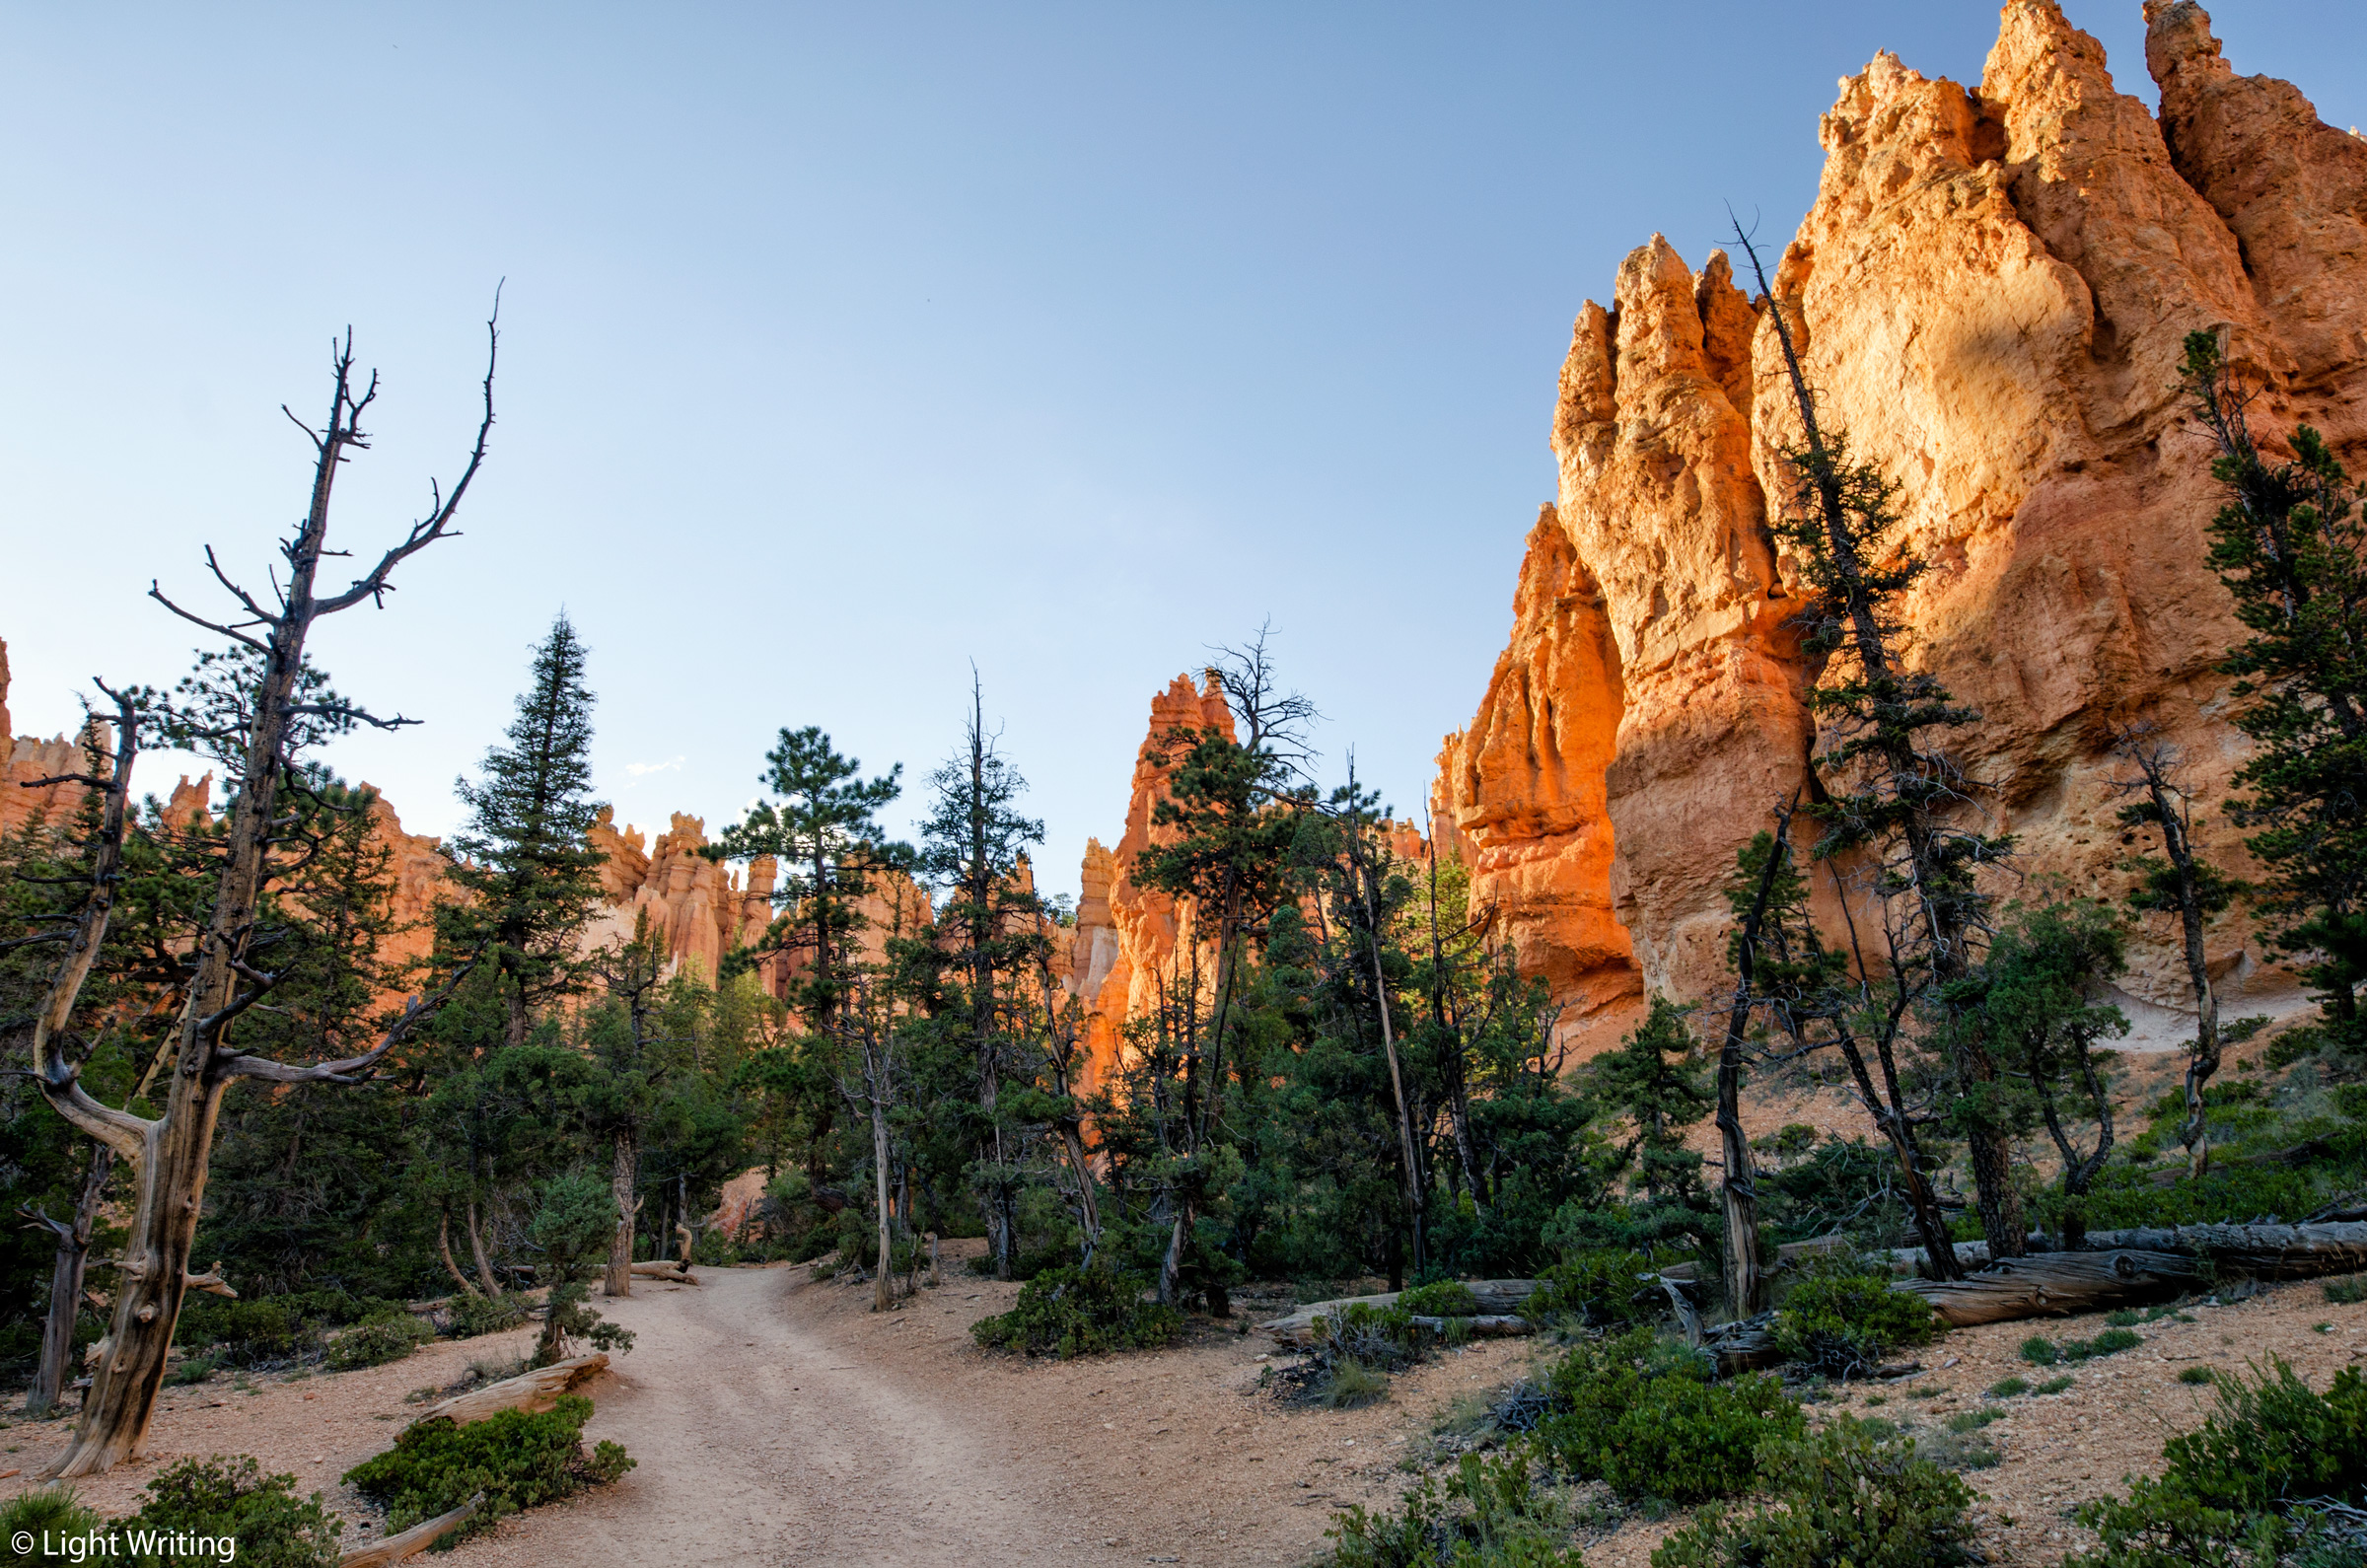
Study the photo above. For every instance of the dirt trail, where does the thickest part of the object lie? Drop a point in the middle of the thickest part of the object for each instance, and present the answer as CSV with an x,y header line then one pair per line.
x,y
759,1441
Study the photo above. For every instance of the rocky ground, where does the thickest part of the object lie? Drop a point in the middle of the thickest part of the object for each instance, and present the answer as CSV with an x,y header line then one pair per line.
x,y
775,1420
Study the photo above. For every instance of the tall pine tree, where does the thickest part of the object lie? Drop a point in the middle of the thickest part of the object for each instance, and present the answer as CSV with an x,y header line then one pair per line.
x,y
2291,546
824,833
523,856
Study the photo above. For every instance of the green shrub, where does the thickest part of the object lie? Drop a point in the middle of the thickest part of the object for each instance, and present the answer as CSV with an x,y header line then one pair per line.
x,y
1645,1418
2040,1351
2347,1292
2194,1375
1852,1494
2123,1319
2007,1387
1842,1316
472,1316
194,1368
2232,1488
2054,1384
243,1332
1384,1339
54,1509
1071,1311
1448,1298
1487,1513
217,1497
375,1341
516,1460
1601,1289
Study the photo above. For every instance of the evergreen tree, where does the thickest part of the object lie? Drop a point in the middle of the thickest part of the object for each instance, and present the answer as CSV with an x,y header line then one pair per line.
x,y
823,834
2039,996
524,856
1890,796
2291,546
1656,1079
989,934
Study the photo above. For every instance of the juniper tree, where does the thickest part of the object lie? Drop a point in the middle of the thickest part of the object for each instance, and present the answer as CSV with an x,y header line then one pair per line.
x,y
1892,797
525,858
2039,996
824,833
2291,546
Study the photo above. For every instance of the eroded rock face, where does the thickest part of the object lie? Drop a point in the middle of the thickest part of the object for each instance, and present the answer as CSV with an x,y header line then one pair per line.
x,y
1991,295
1127,935
696,905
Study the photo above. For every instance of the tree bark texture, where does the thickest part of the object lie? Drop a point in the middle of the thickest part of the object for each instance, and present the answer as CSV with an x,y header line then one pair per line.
x,y
65,1283
624,1169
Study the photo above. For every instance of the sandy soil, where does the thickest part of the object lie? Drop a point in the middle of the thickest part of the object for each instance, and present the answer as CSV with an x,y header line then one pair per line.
x,y
775,1420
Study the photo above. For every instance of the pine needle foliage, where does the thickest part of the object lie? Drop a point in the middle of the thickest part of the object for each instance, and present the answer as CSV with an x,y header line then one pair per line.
x,y
2291,546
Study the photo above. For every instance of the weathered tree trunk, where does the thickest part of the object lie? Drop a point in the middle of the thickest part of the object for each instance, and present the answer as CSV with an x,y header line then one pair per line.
x,y
883,1279
412,1541
2258,1251
476,1246
444,1251
65,1282
1739,1190
2056,1284
170,1155
622,1170
530,1391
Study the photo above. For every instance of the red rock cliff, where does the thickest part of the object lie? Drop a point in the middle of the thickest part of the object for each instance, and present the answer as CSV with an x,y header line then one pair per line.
x,y
1991,294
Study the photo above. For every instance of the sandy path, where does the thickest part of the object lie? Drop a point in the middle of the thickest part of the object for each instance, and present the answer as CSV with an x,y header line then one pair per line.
x,y
758,1441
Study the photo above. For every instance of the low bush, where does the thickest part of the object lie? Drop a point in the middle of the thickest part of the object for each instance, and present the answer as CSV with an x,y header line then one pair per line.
x,y
1349,1385
516,1460
468,1317
376,1340
1080,1312
194,1368
2194,1375
1486,1514
241,1332
1645,1417
2007,1387
2054,1384
2241,1487
2347,1292
1603,1289
1384,1339
274,1526
53,1509
1852,1493
1841,1316
2040,1351
1448,1298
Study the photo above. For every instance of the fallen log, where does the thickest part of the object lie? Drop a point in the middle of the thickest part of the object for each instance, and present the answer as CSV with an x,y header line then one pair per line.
x,y
667,1269
1487,1325
2056,1284
1495,1297
531,1391
2261,1251
417,1539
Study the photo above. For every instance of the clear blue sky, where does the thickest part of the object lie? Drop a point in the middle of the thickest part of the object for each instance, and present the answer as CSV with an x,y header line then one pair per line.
x,y
844,345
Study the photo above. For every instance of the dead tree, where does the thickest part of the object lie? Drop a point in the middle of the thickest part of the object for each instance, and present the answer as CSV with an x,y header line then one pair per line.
x,y
281,705
65,1280
1739,1189
2182,884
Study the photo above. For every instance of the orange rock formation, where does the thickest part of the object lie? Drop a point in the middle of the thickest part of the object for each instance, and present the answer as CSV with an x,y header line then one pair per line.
x,y
1127,935
1991,295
